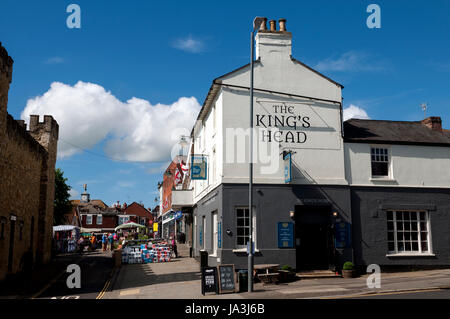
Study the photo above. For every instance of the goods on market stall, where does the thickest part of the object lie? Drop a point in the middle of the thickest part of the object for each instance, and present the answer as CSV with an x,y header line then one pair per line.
x,y
137,254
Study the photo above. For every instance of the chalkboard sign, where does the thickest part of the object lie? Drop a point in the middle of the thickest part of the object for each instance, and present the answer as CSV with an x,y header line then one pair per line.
x,y
209,280
227,278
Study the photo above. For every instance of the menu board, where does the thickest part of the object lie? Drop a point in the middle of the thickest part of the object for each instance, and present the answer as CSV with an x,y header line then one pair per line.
x,y
227,278
209,280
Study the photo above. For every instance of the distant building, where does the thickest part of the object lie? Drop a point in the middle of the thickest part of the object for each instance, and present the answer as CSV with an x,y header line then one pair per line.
x,y
94,215
135,213
27,182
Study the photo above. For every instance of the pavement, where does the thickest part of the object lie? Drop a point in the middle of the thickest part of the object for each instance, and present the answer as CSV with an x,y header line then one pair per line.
x,y
180,279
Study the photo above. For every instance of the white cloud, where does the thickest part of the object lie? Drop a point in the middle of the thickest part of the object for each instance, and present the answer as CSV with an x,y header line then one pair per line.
x,y
74,194
54,60
354,112
350,61
134,130
189,44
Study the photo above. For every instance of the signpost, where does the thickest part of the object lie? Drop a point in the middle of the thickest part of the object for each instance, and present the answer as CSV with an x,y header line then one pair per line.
x,y
209,280
285,235
227,279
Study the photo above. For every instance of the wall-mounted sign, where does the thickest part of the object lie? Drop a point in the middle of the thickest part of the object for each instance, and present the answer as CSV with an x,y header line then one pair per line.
x,y
288,168
285,235
219,234
178,214
199,167
342,235
155,227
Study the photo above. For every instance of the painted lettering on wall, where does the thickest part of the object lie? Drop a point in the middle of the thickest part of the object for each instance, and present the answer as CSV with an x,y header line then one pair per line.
x,y
287,122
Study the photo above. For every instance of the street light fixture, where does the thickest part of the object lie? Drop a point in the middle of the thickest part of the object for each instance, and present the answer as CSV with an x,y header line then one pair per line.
x,y
257,22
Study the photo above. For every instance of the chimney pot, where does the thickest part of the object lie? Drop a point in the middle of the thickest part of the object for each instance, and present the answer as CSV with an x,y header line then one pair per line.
x,y
282,23
433,122
273,26
263,26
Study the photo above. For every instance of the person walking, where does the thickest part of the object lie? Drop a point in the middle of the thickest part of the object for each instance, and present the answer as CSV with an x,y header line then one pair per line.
x,y
174,247
111,242
104,241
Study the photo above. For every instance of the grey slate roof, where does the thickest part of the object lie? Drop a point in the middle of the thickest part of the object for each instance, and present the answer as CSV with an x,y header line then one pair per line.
x,y
393,132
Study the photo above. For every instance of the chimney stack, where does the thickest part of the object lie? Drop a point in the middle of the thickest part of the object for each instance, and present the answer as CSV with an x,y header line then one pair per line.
x,y
273,26
263,26
282,23
433,122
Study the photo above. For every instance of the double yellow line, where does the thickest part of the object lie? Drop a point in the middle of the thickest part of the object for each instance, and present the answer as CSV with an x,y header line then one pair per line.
x,y
106,286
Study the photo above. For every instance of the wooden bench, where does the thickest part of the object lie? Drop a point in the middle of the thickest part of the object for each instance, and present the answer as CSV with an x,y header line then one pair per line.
x,y
270,272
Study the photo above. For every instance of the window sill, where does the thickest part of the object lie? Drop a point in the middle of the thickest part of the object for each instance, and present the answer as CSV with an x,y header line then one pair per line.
x,y
410,255
243,250
382,179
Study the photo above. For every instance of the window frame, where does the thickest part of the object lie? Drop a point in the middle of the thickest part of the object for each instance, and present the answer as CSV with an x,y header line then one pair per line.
x,y
101,219
254,234
395,231
88,215
389,161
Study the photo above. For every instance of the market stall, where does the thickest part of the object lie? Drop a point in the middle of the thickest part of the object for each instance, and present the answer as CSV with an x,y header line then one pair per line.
x,y
65,238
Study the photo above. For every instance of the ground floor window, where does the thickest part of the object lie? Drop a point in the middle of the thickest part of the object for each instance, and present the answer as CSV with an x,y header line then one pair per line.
x,y
408,232
243,227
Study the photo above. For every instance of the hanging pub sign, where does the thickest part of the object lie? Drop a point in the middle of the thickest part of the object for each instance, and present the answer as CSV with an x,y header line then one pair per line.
x,y
178,214
198,167
287,167
209,280
227,278
342,233
285,235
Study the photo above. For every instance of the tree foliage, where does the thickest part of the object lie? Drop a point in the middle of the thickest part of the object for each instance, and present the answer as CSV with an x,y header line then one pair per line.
x,y
62,195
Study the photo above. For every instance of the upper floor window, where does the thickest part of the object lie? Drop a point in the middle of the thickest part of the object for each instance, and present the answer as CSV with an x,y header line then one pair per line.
x,y
99,219
88,219
380,161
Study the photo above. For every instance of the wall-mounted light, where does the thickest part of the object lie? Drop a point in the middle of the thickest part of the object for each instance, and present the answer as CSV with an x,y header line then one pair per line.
x,y
335,214
292,214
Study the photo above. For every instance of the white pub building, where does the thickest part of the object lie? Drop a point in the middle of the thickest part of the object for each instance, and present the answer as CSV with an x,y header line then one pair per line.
x,y
325,191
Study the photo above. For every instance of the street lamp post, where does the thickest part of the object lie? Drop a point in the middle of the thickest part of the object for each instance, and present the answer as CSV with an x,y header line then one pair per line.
x,y
256,25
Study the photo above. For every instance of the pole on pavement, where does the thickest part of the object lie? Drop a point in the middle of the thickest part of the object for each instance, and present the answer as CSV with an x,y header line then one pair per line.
x,y
256,25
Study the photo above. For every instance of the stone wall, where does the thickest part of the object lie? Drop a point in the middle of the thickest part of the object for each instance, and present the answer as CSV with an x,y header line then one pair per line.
x,y
27,173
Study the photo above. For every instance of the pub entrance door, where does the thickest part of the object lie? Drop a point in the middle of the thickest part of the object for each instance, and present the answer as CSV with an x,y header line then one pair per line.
x,y
314,238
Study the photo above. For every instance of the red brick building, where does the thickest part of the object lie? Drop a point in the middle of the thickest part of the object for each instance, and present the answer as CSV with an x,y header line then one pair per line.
x,y
136,213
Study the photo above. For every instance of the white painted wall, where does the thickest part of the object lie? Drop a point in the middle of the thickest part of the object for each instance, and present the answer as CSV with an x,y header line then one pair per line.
x,y
410,166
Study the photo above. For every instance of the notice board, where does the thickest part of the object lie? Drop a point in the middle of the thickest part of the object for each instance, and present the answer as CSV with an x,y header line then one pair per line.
x,y
227,278
209,280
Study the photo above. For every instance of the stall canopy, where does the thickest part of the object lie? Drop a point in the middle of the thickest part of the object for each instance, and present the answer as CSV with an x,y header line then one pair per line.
x,y
91,230
64,228
129,225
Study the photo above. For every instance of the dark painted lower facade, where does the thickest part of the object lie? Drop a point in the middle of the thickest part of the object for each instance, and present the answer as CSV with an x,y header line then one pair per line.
x,y
316,211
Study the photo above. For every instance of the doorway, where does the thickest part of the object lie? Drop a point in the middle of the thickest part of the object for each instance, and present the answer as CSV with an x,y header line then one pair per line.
x,y
314,238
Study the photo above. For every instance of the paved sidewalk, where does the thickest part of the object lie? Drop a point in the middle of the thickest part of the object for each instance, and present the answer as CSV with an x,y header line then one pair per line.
x,y
180,279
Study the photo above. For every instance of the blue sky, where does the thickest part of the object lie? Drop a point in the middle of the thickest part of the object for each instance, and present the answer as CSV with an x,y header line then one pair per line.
x,y
161,51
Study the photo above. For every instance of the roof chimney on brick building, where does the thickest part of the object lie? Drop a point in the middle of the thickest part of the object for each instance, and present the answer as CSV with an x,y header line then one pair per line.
x,y
433,122
282,23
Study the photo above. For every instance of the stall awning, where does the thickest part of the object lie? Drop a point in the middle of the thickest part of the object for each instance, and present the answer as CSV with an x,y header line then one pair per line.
x,y
91,230
64,227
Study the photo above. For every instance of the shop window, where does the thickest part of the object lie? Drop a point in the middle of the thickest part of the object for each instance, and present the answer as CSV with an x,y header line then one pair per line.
x,y
408,232
88,219
99,219
243,227
380,162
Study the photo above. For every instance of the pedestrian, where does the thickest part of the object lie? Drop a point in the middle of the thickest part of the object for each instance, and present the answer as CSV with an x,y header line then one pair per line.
x,y
174,247
111,241
104,238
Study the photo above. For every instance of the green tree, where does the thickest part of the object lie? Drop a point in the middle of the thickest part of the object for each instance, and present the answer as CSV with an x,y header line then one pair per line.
x,y
62,195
